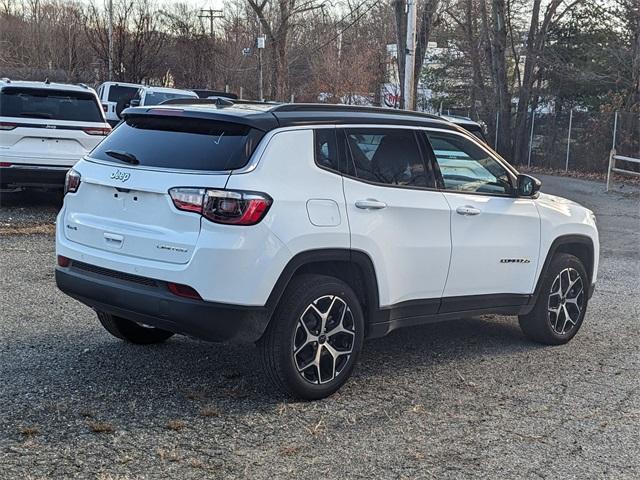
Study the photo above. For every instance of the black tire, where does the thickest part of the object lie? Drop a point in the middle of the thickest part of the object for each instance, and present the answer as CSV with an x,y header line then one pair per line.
x,y
286,331
132,332
121,105
542,324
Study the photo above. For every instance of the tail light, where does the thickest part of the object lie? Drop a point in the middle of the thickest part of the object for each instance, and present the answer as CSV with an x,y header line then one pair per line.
x,y
7,125
97,131
105,107
229,207
71,181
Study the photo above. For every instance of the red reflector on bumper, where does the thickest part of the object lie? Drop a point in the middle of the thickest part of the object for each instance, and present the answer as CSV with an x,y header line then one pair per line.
x,y
63,261
183,291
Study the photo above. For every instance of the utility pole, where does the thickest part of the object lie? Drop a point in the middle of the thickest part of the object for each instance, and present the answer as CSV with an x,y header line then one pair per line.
x,y
110,40
260,44
410,56
211,14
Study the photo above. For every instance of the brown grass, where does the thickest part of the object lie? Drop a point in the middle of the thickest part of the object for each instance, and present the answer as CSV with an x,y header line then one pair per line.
x,y
209,411
168,455
290,450
29,431
101,427
45,229
175,425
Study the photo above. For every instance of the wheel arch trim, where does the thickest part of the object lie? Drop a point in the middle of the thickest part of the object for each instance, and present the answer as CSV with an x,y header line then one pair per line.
x,y
331,256
555,246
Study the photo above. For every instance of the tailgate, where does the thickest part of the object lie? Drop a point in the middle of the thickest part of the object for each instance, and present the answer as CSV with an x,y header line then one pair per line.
x,y
128,211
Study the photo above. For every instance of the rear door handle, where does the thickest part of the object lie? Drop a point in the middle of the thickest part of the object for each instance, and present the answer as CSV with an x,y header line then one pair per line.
x,y
468,210
370,204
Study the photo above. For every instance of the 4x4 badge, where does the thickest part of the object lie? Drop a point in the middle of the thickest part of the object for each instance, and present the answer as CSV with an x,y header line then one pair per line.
x,y
122,176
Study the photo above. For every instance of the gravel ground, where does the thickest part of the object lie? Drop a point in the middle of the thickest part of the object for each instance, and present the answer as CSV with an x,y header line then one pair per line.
x,y
464,399
22,209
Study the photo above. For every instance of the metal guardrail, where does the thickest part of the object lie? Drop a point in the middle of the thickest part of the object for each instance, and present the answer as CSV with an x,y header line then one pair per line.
x,y
613,156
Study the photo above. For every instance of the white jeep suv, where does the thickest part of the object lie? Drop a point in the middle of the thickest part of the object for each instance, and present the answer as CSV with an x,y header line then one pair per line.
x,y
45,128
308,228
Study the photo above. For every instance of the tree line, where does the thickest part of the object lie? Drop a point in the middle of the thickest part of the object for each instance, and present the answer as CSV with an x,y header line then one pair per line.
x,y
500,59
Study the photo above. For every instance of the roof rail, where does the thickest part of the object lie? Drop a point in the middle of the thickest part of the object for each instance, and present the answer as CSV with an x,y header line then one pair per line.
x,y
218,101
5,79
332,107
83,85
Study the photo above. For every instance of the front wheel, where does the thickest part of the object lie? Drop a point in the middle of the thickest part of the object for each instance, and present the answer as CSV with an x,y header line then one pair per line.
x,y
132,332
561,304
314,338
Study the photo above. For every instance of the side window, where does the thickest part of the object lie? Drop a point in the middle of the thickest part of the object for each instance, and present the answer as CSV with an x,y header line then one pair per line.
x,y
326,148
465,167
388,156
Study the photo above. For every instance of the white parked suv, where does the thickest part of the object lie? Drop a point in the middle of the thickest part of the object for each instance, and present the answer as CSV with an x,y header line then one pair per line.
x,y
308,228
45,128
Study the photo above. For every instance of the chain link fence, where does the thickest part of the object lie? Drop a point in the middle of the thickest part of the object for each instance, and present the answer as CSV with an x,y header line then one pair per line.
x,y
572,140
582,141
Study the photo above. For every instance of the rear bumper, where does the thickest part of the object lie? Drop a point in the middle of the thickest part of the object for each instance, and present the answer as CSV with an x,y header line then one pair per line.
x,y
153,304
33,176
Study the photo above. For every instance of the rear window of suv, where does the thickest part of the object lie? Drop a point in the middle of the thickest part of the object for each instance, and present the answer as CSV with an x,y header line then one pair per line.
x,y
180,143
49,104
117,92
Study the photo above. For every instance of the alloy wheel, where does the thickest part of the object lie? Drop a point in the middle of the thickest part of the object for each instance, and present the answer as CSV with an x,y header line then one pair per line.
x,y
324,339
566,301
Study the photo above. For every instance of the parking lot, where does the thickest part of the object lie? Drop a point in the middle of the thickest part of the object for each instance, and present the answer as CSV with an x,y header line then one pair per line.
x,y
464,399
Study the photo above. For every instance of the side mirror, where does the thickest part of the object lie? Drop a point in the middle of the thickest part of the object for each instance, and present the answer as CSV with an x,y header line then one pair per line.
x,y
135,102
527,186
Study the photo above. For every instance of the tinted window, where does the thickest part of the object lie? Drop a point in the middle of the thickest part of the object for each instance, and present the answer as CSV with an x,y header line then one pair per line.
x,y
182,143
49,104
118,92
326,149
466,167
388,156
156,98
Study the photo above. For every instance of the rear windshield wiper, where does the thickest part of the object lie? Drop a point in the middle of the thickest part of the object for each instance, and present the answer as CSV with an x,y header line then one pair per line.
x,y
123,156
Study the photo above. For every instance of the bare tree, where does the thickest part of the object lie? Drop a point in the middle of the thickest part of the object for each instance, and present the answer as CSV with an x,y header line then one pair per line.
x,y
277,18
534,51
138,40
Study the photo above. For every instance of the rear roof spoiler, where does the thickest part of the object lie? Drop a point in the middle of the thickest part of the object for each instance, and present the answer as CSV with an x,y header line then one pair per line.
x,y
258,119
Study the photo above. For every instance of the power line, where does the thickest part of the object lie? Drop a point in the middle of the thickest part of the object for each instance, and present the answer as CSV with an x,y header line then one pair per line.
x,y
340,32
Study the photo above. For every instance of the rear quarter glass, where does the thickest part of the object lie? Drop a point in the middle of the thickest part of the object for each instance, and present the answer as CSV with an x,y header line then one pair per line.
x,y
50,104
181,143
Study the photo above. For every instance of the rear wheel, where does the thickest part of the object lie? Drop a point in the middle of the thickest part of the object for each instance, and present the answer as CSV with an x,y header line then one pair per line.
x,y
314,338
132,332
561,304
